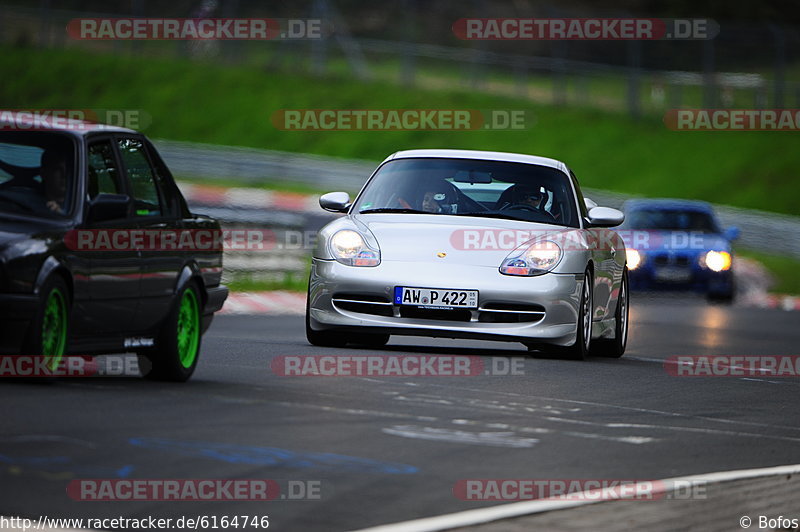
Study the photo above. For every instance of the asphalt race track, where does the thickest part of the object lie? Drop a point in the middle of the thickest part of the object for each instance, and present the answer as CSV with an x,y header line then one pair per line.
x,y
391,449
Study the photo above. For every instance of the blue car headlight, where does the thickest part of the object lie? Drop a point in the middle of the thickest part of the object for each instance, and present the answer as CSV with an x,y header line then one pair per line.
x,y
716,261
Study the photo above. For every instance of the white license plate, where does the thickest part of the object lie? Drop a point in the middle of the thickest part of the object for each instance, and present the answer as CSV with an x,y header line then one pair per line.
x,y
673,275
435,297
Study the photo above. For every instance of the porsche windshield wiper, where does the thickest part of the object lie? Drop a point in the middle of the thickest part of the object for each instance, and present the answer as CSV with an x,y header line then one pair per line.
x,y
507,217
491,215
393,210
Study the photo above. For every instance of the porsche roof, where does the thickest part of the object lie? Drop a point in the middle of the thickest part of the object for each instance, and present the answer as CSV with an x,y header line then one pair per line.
x,y
477,154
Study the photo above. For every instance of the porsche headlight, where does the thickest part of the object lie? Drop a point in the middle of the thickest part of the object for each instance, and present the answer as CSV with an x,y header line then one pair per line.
x,y
349,248
634,258
718,261
533,259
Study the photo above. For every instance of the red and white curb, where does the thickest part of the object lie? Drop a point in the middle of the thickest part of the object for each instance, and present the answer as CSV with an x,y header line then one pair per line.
x,y
754,281
272,302
779,301
248,197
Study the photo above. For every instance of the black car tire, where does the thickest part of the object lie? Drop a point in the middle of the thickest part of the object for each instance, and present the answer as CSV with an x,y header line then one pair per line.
x,y
322,338
583,338
171,359
53,287
723,297
615,347
370,339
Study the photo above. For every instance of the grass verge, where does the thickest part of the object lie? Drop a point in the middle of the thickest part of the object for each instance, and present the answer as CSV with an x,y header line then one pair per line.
x,y
785,270
234,105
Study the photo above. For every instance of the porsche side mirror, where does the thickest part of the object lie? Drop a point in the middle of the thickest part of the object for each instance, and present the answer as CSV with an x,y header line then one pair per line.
x,y
605,217
335,201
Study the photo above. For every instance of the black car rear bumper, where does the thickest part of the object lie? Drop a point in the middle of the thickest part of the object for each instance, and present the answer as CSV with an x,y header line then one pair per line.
x,y
215,298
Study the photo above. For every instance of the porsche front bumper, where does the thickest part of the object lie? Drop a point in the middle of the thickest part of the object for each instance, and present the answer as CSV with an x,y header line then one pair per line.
x,y
533,310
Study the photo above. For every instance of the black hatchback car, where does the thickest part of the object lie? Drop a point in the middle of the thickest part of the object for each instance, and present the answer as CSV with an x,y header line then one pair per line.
x,y
60,184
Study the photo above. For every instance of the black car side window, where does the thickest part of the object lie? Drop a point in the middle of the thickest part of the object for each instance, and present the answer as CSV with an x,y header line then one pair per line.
x,y
173,204
103,173
145,193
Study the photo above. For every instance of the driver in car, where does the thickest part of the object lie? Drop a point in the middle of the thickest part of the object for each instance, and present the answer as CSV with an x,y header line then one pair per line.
x,y
528,196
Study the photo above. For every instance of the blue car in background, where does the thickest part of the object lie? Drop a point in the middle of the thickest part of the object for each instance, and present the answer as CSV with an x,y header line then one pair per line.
x,y
678,244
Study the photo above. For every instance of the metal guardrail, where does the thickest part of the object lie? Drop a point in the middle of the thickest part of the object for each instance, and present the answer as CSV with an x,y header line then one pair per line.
x,y
760,230
251,165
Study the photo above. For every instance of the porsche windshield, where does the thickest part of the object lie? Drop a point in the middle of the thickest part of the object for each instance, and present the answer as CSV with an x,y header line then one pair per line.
x,y
37,172
471,187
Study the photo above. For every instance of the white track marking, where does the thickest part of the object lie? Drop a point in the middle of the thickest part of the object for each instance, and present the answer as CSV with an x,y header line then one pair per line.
x,y
490,439
618,407
517,509
672,427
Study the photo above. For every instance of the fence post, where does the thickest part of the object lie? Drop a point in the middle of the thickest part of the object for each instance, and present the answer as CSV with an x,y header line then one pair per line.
x,y
137,10
521,71
476,66
44,23
407,70
231,50
675,95
709,83
348,44
780,66
559,73
319,47
634,67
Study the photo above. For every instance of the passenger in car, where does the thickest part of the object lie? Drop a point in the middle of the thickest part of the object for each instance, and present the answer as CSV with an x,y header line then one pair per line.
x,y
54,179
440,197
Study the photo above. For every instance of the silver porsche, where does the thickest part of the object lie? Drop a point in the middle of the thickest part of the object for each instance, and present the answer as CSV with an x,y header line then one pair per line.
x,y
470,244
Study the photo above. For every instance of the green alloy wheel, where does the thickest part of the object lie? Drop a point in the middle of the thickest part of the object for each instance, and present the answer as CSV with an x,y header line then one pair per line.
x,y
54,326
177,348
